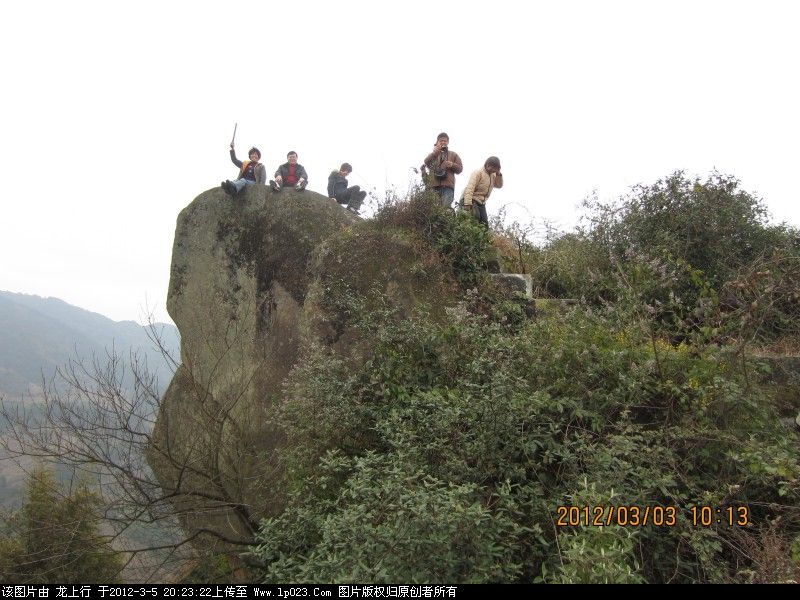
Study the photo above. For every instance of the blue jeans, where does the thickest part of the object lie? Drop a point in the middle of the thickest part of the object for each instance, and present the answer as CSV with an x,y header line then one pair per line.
x,y
240,183
446,195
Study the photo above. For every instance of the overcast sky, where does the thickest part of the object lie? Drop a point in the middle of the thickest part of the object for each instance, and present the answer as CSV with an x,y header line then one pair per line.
x,y
116,115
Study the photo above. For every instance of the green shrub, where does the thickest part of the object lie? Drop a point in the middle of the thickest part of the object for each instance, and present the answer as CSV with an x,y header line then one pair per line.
x,y
386,522
468,421
444,456
463,243
713,226
54,538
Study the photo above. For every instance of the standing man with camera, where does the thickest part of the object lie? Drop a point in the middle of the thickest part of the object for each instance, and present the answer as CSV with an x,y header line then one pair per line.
x,y
443,165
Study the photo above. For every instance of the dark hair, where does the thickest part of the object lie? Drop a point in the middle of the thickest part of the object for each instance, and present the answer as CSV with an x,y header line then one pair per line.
x,y
492,161
290,152
346,167
254,149
443,135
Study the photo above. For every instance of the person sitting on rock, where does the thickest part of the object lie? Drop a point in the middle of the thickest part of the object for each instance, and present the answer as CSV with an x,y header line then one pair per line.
x,y
290,174
350,197
251,172
443,165
480,186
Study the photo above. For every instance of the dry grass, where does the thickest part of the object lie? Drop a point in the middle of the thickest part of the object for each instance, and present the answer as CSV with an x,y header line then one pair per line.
x,y
788,346
769,550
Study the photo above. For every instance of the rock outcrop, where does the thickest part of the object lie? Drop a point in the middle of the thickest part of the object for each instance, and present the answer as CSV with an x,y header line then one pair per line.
x,y
255,280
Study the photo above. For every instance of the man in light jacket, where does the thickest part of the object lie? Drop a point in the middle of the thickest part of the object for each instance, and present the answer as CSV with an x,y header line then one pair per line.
x,y
479,188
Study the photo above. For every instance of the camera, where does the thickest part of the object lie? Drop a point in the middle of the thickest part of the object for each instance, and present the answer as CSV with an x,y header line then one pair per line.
x,y
440,173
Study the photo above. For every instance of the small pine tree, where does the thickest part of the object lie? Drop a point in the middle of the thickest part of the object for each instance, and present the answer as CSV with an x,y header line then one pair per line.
x,y
54,538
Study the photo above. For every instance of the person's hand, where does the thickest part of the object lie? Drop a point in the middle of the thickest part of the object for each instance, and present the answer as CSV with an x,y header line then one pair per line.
x,y
334,199
279,179
231,145
448,164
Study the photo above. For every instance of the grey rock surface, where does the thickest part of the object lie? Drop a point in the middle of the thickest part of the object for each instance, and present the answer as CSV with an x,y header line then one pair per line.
x,y
255,280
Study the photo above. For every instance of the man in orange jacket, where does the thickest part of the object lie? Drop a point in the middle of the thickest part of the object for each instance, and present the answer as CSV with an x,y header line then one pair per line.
x,y
251,172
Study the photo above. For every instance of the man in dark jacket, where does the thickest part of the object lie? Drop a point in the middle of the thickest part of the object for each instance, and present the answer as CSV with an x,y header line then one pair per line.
x,y
290,174
351,197
443,165
251,172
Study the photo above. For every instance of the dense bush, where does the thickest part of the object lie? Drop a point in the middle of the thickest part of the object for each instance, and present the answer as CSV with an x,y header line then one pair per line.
x,y
696,255
444,456
713,226
463,243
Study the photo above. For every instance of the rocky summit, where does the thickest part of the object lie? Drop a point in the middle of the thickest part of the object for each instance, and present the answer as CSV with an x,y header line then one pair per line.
x,y
257,280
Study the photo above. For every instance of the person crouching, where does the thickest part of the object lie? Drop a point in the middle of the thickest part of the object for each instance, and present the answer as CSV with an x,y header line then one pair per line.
x,y
350,197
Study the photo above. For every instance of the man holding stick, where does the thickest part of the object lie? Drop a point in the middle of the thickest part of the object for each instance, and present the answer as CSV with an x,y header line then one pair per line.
x,y
251,171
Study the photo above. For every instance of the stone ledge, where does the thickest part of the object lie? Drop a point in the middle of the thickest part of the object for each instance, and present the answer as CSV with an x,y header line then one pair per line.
x,y
515,282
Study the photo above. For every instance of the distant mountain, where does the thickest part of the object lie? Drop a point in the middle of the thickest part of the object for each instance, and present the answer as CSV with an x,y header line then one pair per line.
x,y
37,335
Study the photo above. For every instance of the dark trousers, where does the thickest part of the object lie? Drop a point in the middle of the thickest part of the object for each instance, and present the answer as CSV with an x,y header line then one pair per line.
x,y
479,210
352,197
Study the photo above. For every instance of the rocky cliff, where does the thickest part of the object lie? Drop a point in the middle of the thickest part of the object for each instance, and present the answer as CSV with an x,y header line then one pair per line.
x,y
255,281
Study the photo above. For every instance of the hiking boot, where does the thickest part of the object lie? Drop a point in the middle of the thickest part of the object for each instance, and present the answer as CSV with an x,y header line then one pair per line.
x,y
228,187
274,185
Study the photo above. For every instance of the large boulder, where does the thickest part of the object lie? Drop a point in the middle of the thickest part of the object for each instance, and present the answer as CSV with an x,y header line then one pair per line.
x,y
255,280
